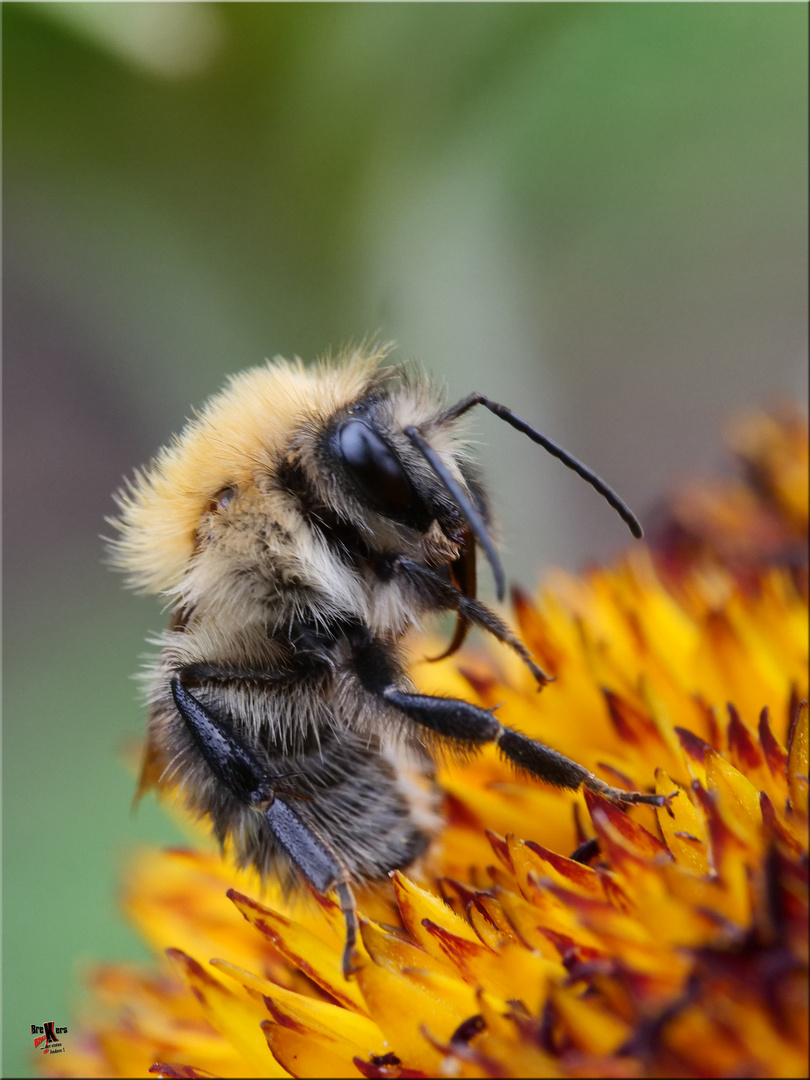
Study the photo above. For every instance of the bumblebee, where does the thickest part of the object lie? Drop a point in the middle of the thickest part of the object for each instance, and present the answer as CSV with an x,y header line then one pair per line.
x,y
299,527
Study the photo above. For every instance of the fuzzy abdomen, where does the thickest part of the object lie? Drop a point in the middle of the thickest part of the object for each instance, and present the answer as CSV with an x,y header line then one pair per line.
x,y
369,795
360,803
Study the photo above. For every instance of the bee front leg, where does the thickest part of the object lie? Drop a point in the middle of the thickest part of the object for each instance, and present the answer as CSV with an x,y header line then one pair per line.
x,y
472,727
245,773
444,596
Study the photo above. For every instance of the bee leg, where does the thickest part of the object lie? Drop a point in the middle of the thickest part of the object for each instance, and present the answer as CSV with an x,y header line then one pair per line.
x,y
473,727
320,866
245,774
238,767
444,595
349,910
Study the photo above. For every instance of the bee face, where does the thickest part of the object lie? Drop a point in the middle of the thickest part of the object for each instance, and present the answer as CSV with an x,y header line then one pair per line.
x,y
362,478
299,525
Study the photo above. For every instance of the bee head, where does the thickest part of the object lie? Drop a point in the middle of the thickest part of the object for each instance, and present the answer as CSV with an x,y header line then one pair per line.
x,y
292,475
362,478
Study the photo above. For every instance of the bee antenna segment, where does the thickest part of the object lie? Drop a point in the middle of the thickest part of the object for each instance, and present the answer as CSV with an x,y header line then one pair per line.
x,y
596,482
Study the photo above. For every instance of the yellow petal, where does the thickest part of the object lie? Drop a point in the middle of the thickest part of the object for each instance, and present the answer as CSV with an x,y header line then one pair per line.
x,y
531,857
321,1018
682,828
738,799
236,1018
299,1054
302,948
797,762
590,1026
396,952
403,1003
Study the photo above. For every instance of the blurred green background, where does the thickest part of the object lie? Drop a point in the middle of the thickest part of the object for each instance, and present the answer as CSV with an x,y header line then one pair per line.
x,y
595,213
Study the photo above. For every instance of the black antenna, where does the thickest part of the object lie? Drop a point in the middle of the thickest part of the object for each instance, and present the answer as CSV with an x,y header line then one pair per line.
x,y
462,501
607,492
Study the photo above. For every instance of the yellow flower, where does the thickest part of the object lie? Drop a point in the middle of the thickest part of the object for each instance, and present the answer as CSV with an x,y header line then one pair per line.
x,y
549,933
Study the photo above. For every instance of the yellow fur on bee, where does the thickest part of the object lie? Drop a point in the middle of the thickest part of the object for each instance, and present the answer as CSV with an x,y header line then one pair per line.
x,y
237,435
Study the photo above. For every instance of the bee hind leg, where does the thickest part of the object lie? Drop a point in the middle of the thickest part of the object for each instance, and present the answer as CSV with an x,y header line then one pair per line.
x,y
243,771
321,867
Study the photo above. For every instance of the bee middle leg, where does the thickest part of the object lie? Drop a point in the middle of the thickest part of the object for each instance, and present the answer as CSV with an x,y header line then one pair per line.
x,y
242,770
473,727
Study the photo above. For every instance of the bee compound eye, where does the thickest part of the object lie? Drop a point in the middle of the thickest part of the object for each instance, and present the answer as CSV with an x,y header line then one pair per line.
x,y
374,467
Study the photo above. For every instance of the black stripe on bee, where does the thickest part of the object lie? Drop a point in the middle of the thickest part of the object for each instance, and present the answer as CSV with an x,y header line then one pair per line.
x,y
344,539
